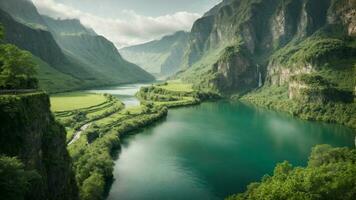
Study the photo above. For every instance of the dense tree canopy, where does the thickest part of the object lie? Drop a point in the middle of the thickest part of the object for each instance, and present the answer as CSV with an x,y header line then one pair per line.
x,y
330,174
14,180
17,69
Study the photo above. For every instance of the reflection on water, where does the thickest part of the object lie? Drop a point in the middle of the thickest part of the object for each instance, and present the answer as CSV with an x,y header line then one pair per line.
x,y
213,150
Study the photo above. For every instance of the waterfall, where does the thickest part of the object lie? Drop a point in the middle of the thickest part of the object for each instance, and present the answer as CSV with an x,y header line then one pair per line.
x,y
259,76
260,80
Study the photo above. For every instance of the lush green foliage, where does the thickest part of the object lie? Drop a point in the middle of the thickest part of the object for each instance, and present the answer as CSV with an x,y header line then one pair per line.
x,y
274,97
309,51
330,174
173,94
108,121
93,162
28,128
93,187
14,179
17,69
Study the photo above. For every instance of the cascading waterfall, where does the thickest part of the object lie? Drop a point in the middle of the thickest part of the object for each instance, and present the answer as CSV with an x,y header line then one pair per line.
x,y
259,76
260,80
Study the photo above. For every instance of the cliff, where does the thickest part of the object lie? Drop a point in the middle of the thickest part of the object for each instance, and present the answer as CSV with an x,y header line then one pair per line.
x,y
277,39
28,131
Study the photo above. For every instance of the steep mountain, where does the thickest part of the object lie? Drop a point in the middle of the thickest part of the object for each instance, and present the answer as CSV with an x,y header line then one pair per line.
x,y
53,66
240,44
96,52
66,47
163,57
30,133
24,12
66,26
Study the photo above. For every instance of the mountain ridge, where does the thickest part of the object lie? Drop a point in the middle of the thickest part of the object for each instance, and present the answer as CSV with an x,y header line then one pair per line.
x,y
78,63
159,56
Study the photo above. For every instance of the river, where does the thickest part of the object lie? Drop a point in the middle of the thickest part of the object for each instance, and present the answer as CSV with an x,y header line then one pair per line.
x,y
213,150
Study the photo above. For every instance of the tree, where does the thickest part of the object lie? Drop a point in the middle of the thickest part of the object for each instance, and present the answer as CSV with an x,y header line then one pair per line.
x,y
330,174
92,188
2,34
14,180
17,69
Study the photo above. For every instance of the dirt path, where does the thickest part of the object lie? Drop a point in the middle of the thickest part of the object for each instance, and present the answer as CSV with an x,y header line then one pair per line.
x,y
78,133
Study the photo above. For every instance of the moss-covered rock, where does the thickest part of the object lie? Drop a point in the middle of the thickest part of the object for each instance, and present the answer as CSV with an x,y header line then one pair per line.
x,y
28,131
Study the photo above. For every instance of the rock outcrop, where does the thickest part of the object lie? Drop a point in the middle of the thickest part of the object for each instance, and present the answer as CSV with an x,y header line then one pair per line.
x,y
283,37
28,131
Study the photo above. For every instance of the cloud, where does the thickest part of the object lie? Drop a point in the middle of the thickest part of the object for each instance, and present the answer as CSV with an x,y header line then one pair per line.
x,y
133,30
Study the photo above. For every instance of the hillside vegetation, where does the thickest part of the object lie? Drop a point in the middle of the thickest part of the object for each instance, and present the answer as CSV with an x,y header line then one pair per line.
x,y
94,129
330,174
66,50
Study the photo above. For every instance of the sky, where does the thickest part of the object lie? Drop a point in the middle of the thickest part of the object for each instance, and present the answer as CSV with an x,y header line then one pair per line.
x,y
129,22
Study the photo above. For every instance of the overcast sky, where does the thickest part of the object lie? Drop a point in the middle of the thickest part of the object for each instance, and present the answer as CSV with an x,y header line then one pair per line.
x,y
129,22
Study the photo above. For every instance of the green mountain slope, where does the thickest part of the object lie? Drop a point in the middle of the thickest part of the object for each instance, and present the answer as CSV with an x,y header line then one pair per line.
x,y
24,12
239,41
67,47
162,56
96,52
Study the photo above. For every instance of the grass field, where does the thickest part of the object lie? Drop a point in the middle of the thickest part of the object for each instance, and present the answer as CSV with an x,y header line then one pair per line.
x,y
177,86
75,100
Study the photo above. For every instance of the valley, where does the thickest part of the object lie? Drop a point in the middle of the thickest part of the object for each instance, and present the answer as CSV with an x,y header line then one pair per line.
x,y
257,100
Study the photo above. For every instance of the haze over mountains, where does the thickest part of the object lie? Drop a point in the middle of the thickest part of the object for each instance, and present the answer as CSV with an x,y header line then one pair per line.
x,y
161,57
69,55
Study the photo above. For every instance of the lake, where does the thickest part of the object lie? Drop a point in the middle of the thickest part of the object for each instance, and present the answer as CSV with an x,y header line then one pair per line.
x,y
213,150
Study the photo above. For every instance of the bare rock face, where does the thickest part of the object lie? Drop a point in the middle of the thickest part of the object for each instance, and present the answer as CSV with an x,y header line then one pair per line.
x,y
344,11
277,74
261,29
237,72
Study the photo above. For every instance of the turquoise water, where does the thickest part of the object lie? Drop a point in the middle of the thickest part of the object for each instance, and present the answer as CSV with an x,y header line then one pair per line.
x,y
213,150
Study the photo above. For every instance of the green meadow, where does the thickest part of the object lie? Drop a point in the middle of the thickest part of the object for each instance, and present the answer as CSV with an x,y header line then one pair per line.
x,y
75,100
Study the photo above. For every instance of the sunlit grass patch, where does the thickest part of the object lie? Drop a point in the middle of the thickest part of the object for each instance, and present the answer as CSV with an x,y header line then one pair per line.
x,y
75,100
177,86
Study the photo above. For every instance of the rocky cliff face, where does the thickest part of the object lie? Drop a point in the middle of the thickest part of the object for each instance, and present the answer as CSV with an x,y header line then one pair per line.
x,y
29,132
283,37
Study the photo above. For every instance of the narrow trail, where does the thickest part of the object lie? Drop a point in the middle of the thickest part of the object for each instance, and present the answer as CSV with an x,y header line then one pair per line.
x,y
79,132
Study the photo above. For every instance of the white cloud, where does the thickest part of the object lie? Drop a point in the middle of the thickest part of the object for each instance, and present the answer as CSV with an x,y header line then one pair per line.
x,y
134,29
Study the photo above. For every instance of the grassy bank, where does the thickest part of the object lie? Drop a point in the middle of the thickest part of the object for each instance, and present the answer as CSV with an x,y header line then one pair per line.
x,y
276,98
173,94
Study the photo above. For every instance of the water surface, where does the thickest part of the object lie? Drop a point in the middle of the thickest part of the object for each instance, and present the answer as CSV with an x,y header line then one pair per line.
x,y
213,150
126,93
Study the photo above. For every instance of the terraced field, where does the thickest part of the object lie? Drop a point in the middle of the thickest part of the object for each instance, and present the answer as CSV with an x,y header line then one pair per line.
x,y
74,110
